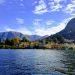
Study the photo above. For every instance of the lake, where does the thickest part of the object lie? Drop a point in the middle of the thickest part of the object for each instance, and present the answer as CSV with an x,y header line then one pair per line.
x,y
37,62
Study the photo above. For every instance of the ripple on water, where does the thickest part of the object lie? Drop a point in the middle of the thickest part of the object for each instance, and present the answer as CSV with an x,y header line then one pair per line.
x,y
37,62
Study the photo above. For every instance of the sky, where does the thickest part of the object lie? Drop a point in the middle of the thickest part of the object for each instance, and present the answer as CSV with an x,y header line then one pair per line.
x,y
35,17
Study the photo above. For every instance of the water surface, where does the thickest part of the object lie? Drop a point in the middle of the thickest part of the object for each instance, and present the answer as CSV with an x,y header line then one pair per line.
x,y
37,62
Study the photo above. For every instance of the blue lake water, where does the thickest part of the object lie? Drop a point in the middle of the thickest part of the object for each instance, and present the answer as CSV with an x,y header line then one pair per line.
x,y
37,62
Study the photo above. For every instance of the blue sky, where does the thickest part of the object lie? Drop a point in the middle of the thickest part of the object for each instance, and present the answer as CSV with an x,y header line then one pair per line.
x,y
41,17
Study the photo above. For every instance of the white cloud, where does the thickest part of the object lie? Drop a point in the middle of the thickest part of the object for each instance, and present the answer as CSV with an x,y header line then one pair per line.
x,y
49,31
43,23
41,11
73,1
20,20
51,6
9,29
49,22
41,7
70,9
52,30
36,22
56,7
2,1
40,24
22,30
58,1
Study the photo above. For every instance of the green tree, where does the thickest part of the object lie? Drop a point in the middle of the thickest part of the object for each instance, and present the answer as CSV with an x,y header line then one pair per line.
x,y
24,39
8,42
58,39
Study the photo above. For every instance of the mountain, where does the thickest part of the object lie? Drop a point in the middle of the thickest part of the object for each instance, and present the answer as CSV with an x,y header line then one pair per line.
x,y
12,34
68,32
33,37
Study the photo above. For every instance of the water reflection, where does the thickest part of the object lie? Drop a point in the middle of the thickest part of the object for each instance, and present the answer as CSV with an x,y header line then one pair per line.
x,y
69,62
37,62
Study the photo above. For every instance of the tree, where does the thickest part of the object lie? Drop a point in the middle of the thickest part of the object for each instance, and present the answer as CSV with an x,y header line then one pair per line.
x,y
8,42
58,39
15,41
24,39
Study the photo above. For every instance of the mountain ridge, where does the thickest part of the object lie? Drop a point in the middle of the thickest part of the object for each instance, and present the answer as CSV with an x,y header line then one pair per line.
x,y
13,34
69,31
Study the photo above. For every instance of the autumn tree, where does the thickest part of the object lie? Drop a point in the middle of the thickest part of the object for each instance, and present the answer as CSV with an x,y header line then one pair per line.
x,y
15,41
